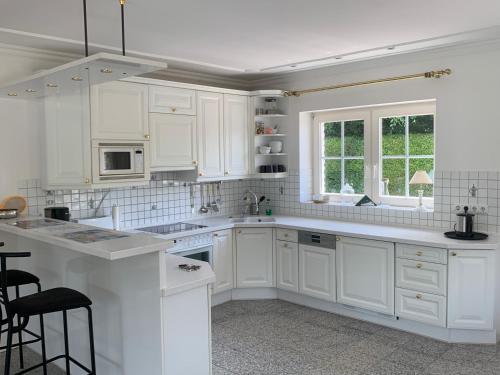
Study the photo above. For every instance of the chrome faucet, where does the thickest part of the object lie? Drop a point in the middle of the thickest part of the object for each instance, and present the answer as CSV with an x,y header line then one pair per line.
x,y
247,205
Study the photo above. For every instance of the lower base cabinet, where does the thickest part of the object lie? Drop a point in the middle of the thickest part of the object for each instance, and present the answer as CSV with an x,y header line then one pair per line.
x,y
421,307
287,266
223,260
254,258
365,274
317,272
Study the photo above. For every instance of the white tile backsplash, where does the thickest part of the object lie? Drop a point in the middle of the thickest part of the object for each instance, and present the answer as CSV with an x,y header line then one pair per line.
x,y
166,200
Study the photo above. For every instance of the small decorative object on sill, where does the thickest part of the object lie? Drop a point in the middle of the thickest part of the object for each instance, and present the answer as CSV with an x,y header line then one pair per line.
x,y
346,192
365,201
420,178
320,199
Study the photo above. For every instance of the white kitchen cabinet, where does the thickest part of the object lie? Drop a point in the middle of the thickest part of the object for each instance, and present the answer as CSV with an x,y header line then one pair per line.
x,y
287,266
67,144
173,141
254,258
365,274
317,272
172,100
421,307
236,157
471,289
210,134
119,111
421,276
223,260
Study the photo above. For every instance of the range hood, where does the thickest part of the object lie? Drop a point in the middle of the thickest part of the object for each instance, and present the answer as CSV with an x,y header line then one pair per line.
x,y
98,68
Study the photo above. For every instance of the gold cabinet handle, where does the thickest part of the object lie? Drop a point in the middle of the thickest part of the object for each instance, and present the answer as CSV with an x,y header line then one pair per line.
x,y
146,136
419,253
194,162
418,296
285,235
239,232
337,238
226,172
174,109
285,245
200,174
216,235
419,265
87,180
453,254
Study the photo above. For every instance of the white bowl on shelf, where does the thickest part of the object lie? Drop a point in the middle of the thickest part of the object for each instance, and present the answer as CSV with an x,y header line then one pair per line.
x,y
264,149
276,147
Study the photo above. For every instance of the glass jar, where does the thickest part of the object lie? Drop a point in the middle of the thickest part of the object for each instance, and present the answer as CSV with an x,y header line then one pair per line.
x,y
271,106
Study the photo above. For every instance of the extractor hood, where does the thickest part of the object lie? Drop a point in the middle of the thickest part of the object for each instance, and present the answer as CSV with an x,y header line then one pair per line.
x,y
91,70
98,68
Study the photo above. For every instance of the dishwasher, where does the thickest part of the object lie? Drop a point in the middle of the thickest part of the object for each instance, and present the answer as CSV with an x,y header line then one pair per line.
x,y
317,265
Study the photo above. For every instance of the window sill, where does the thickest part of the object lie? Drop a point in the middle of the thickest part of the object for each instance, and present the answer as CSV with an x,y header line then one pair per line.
x,y
428,209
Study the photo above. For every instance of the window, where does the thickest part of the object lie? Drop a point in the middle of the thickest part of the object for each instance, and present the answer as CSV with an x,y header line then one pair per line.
x,y
376,151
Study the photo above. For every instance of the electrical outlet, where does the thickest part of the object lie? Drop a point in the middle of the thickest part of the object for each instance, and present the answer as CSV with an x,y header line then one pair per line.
x,y
476,209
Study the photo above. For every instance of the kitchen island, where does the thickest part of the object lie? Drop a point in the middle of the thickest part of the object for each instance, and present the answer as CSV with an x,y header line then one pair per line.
x,y
148,314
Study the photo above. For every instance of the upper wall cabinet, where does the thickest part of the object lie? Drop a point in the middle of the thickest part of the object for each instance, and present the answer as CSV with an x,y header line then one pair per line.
x,y
210,134
172,100
173,141
236,157
119,111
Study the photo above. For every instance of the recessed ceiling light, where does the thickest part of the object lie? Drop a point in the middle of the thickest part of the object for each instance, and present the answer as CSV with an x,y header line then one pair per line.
x,y
338,57
124,73
51,85
77,78
30,90
106,70
391,48
12,94
293,66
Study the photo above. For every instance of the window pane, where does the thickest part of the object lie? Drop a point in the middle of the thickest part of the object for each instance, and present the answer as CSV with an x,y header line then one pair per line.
x,y
355,175
333,178
354,134
332,141
394,170
393,136
421,130
425,165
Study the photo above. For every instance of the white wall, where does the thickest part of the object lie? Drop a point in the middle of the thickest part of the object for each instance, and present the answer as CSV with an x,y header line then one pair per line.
x,y
468,110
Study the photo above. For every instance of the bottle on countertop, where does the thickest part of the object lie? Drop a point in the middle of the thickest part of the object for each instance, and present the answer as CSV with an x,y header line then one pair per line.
x,y
115,215
269,210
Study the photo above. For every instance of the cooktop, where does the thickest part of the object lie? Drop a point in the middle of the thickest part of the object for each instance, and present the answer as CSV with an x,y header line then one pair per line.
x,y
172,228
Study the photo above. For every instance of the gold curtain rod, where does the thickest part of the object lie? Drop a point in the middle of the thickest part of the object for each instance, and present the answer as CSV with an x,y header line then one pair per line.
x,y
431,74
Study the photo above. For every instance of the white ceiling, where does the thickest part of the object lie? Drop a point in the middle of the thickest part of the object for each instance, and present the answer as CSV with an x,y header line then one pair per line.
x,y
240,36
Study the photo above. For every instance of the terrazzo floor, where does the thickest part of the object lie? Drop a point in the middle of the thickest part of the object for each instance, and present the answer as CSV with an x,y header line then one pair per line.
x,y
276,337
30,359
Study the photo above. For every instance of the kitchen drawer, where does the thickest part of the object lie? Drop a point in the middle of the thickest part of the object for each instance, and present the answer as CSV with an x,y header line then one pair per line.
x,y
422,276
422,253
172,100
421,307
287,235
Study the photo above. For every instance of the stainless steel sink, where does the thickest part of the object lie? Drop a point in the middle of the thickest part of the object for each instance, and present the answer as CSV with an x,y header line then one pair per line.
x,y
252,219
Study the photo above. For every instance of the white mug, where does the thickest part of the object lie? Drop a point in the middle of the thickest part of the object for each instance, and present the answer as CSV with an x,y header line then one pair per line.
x,y
276,146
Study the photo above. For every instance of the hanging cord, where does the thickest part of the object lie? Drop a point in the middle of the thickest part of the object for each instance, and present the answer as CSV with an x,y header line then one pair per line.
x,y
122,6
85,28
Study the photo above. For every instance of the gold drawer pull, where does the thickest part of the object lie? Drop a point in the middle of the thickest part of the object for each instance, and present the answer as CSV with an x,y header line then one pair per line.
x,y
285,235
418,296
419,253
419,265
174,109
453,254
285,245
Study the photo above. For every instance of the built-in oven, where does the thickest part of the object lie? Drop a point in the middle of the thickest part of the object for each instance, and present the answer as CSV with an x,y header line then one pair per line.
x,y
115,161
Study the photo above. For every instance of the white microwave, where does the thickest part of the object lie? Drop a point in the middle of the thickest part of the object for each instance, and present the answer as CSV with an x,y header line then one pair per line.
x,y
120,161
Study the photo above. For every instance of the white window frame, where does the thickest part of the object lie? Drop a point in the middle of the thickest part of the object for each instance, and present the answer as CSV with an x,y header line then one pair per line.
x,y
373,148
340,116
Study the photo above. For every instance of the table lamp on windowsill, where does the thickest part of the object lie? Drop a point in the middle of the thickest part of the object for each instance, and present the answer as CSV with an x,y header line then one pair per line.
x,y
420,178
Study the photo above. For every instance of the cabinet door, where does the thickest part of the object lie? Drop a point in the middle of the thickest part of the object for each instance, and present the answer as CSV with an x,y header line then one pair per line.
x,y
173,140
67,146
287,266
471,290
365,270
421,307
119,110
172,100
317,272
254,258
210,134
236,135
223,260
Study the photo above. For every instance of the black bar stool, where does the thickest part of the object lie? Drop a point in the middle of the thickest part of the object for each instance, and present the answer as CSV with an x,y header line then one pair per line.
x,y
15,279
48,301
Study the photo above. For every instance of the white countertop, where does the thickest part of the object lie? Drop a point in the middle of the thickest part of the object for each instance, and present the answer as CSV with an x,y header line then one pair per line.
x,y
133,244
414,236
178,281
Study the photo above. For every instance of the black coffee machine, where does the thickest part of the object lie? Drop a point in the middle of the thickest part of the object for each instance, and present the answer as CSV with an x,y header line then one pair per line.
x,y
59,213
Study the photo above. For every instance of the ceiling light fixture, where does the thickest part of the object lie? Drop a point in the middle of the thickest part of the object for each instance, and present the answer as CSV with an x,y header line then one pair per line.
x,y
391,48
12,94
30,91
107,71
51,85
338,57
77,78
